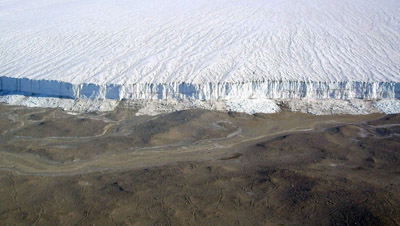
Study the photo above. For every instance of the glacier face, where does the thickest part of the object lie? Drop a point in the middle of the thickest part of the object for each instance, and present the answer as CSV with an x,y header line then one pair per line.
x,y
201,49
205,91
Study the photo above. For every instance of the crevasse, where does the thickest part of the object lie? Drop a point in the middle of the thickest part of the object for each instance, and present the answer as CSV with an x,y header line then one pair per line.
x,y
343,90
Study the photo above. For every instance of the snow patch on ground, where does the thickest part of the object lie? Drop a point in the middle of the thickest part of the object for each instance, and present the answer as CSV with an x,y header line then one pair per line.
x,y
252,106
327,107
353,107
155,107
65,104
268,106
388,106
249,106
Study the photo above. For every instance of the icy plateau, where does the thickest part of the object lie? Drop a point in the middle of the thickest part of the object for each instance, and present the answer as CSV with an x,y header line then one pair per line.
x,y
245,53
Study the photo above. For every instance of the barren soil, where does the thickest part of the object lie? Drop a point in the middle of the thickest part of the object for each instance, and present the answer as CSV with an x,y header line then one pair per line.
x,y
197,167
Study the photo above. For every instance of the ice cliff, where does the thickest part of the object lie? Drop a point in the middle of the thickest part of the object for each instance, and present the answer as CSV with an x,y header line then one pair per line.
x,y
208,91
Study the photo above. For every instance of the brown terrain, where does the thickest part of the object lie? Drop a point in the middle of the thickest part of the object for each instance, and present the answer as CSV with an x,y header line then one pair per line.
x,y
197,167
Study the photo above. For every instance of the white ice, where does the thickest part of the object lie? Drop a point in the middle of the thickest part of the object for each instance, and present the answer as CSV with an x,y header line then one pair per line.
x,y
227,50
198,41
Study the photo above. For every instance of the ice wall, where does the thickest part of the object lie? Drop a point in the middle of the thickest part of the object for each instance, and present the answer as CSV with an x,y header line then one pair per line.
x,y
344,90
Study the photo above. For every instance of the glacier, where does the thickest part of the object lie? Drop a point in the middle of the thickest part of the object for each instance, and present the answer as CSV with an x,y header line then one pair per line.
x,y
234,51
